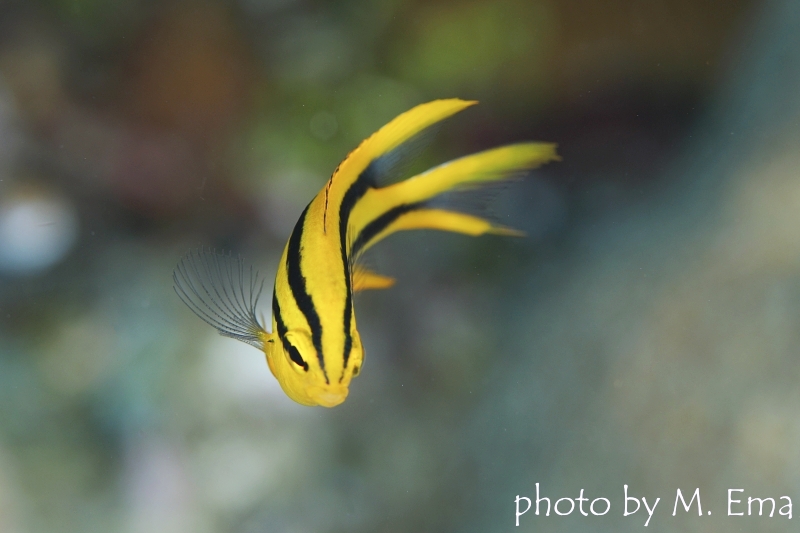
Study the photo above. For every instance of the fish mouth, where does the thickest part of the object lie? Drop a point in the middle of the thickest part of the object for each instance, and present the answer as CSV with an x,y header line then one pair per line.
x,y
330,398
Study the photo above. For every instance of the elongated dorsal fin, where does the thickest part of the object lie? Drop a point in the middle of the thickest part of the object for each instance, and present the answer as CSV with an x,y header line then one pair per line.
x,y
391,145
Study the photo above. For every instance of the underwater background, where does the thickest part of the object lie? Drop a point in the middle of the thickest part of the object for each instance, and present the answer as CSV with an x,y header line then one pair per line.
x,y
645,332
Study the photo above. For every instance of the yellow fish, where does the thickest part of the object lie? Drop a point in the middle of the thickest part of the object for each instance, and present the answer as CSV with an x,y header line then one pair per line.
x,y
314,349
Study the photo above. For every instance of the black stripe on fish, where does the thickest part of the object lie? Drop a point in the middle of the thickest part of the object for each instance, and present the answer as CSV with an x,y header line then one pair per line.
x,y
348,338
297,283
354,193
380,169
376,226
294,353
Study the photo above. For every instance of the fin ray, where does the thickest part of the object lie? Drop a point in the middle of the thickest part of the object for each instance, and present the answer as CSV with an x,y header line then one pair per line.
x,y
223,293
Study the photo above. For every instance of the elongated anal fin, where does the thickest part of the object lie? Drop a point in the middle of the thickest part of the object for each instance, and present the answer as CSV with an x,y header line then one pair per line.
x,y
364,279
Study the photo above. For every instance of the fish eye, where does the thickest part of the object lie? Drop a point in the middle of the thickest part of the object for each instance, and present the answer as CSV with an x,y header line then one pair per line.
x,y
356,370
291,341
296,358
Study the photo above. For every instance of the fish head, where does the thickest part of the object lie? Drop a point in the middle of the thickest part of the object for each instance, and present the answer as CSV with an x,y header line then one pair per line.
x,y
304,376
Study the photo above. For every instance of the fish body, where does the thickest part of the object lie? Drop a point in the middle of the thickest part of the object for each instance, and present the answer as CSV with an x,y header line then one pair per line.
x,y
314,349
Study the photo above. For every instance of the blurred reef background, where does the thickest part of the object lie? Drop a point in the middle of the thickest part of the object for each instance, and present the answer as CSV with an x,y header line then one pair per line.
x,y
646,331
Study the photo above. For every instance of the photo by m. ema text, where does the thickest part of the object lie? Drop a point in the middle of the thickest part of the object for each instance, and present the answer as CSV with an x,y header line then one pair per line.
x,y
738,504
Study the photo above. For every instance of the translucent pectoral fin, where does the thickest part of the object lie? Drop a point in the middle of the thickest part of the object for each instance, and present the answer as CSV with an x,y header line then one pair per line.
x,y
364,279
223,293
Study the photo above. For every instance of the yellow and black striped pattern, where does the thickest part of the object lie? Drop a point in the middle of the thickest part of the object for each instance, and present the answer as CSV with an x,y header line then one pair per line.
x,y
314,349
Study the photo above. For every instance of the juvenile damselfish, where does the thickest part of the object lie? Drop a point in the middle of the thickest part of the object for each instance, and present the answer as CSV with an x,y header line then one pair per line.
x,y
314,348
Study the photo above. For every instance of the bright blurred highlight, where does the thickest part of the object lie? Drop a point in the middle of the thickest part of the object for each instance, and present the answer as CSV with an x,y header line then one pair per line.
x,y
36,231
